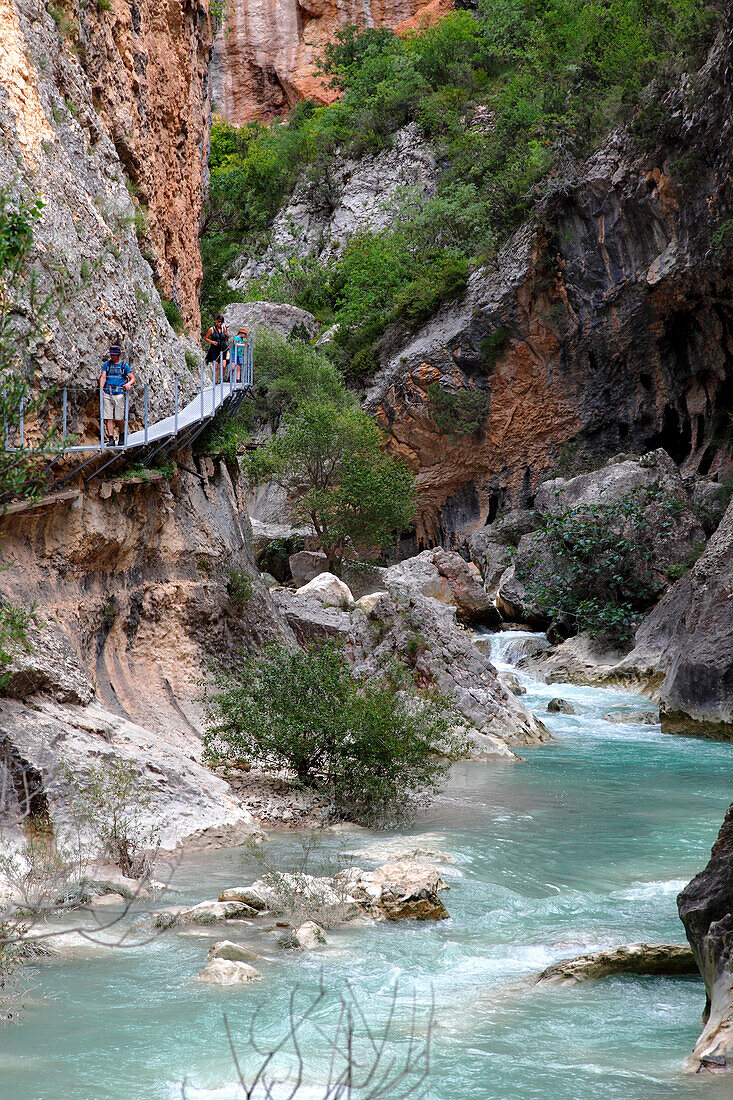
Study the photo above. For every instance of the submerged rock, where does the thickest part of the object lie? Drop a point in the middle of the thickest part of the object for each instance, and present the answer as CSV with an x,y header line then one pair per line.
x,y
706,910
228,972
633,717
633,958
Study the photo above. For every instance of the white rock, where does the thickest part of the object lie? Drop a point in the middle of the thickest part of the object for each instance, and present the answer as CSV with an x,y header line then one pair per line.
x,y
329,589
233,952
309,936
229,972
368,602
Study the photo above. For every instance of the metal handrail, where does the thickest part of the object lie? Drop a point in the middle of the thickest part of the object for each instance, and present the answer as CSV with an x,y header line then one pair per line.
x,y
245,370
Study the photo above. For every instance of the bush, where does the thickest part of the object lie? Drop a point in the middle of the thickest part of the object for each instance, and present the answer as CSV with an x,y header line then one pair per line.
x,y
239,587
599,574
370,745
174,315
458,414
15,623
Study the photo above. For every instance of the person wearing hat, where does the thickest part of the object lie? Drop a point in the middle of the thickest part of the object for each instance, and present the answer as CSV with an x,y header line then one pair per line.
x,y
116,378
238,350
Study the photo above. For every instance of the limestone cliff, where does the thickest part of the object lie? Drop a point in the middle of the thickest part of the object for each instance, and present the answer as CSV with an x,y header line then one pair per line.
x,y
266,54
94,101
131,583
706,910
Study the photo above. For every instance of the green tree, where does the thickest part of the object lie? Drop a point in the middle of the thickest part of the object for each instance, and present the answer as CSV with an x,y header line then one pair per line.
x,y
371,745
328,457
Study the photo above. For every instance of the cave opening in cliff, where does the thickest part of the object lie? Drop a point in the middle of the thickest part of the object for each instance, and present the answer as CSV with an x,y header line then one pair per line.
x,y
674,435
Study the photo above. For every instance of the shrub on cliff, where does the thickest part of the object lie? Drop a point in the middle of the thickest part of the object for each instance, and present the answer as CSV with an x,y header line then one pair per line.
x,y
371,745
595,570
328,457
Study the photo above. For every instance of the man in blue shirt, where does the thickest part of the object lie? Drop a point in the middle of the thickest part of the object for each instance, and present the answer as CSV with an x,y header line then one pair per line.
x,y
116,378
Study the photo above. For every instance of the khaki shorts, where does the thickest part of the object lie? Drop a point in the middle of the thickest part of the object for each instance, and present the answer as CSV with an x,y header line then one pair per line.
x,y
114,406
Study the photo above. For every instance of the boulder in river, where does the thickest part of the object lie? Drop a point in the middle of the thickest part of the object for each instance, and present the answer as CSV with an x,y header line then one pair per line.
x,y
234,952
247,894
706,910
403,890
560,706
633,717
446,577
228,972
309,936
633,958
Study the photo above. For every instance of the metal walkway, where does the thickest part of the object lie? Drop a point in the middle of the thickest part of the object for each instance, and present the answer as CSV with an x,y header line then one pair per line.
x,y
173,432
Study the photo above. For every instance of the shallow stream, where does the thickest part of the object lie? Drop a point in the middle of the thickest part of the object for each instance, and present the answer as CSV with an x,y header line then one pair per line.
x,y
584,845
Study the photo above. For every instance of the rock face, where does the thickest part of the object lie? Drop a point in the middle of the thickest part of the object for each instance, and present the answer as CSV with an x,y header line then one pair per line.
x,y
447,577
612,323
131,582
266,53
674,536
706,910
688,639
423,631
359,195
634,958
86,110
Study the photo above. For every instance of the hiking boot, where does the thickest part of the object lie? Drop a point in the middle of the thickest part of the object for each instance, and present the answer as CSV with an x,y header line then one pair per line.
x,y
110,441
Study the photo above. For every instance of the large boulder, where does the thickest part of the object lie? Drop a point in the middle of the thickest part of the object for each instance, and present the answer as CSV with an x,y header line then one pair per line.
x,y
403,890
233,952
633,958
688,640
446,577
329,589
491,546
307,564
706,910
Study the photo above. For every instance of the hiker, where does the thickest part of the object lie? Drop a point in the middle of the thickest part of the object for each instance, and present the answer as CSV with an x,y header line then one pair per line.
x,y
238,350
218,338
116,379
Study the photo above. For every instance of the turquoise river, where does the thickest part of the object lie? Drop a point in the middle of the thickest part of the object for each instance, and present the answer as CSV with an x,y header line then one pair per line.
x,y
585,844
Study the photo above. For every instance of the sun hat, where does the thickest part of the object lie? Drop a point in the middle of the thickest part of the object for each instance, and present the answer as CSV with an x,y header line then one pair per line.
x,y
115,349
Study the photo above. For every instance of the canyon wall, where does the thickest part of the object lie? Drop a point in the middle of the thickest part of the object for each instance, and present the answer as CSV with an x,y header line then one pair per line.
x,y
604,325
132,585
103,111
266,53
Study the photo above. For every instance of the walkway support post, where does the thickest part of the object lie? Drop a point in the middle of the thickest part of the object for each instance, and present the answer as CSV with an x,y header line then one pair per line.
x,y
202,390
5,421
127,410
175,390
145,398
101,419
63,418
22,437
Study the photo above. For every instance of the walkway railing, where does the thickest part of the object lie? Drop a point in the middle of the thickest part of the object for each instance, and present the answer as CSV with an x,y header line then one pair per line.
x,y
184,422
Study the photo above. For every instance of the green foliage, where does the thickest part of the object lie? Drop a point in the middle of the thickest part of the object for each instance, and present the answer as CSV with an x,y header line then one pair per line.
x,y
596,573
240,587
506,95
23,319
111,804
371,745
15,623
226,435
459,414
193,361
722,241
328,457
174,315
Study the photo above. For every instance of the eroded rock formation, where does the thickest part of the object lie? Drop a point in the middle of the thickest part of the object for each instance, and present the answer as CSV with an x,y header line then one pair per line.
x,y
131,582
266,54
706,910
